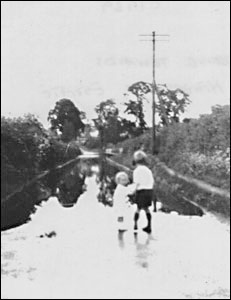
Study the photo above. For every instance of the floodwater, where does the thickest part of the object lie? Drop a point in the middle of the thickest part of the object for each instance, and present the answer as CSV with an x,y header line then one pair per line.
x,y
77,252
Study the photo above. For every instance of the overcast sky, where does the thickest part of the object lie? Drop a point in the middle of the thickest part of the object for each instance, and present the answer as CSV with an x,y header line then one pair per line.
x,y
90,51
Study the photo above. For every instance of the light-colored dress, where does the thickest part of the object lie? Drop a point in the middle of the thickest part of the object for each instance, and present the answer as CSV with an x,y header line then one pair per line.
x,y
122,205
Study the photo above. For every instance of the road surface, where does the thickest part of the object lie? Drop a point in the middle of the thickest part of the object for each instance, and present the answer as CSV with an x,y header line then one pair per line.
x,y
76,253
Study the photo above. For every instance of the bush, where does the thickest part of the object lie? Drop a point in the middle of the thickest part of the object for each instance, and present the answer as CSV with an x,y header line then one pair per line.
x,y
205,135
23,142
27,150
200,147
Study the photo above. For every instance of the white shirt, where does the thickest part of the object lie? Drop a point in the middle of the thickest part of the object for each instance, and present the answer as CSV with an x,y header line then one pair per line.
x,y
143,178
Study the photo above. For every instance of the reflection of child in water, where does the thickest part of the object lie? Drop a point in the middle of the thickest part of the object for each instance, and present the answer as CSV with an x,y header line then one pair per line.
x,y
121,199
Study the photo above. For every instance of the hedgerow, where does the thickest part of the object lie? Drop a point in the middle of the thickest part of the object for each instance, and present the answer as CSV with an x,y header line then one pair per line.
x,y
27,151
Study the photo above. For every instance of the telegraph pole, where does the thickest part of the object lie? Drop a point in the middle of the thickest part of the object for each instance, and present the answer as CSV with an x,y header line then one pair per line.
x,y
154,35
153,95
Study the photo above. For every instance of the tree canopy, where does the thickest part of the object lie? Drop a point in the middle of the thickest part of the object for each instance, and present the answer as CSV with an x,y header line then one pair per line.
x,y
66,118
171,103
169,106
107,120
135,108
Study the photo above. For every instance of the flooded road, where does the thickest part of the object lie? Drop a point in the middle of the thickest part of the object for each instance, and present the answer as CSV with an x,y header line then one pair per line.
x,y
76,252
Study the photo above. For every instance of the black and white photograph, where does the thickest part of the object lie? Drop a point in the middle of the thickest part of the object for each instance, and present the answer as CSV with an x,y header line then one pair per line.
x,y
115,149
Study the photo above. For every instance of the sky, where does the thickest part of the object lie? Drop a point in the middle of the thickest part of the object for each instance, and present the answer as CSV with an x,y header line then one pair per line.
x,y
90,51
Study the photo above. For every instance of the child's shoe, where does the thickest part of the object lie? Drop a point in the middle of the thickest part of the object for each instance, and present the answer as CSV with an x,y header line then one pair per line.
x,y
147,229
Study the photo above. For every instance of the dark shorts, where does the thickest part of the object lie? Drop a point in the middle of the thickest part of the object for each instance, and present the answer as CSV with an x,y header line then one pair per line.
x,y
144,198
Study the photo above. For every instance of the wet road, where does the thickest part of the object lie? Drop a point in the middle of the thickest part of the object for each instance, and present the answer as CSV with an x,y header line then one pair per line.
x,y
76,253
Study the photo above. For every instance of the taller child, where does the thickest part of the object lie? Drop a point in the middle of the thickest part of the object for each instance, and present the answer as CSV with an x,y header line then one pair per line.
x,y
144,184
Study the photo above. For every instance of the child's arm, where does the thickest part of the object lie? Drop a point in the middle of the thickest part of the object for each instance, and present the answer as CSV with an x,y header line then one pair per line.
x,y
131,188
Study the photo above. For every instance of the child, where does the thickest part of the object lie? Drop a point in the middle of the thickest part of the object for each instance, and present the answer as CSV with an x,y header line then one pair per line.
x,y
144,183
121,199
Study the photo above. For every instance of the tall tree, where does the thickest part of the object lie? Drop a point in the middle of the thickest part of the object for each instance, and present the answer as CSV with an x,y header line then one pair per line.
x,y
135,108
170,104
107,121
112,126
66,118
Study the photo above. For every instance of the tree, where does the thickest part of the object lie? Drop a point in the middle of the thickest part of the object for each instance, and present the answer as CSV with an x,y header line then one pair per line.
x,y
112,126
170,105
135,108
106,110
23,140
127,129
83,115
140,89
107,121
66,118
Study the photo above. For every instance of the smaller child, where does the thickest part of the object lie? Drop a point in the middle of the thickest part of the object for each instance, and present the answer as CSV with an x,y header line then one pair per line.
x,y
121,199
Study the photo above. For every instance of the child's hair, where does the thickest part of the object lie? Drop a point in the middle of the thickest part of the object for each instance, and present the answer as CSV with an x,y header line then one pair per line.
x,y
121,175
140,157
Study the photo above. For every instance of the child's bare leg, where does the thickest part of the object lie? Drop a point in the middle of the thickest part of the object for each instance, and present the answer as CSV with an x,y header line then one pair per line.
x,y
154,203
148,228
136,218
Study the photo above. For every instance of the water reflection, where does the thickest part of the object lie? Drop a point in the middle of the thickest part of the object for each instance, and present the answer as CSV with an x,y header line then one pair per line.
x,y
71,184
142,244
121,238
